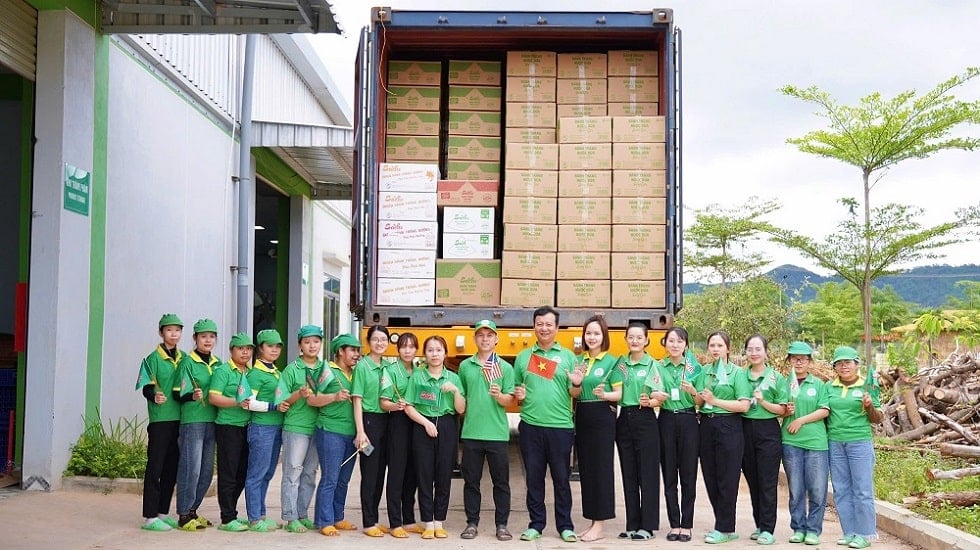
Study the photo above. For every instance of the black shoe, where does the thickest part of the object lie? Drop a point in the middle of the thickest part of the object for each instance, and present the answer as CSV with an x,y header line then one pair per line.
x,y
673,537
503,534
684,537
469,533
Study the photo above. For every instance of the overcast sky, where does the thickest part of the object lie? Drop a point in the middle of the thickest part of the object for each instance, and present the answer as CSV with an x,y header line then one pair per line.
x,y
736,56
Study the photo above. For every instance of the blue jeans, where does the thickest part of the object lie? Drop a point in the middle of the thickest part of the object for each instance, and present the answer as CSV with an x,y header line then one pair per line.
x,y
851,471
264,443
299,461
331,494
195,468
806,473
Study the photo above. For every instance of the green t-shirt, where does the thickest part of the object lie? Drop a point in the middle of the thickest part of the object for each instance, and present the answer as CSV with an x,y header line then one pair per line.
x,y
726,381
811,395
394,380
599,370
301,417
775,389
425,393
635,378
195,370
264,380
847,420
367,384
225,381
672,376
163,374
547,403
485,419
337,417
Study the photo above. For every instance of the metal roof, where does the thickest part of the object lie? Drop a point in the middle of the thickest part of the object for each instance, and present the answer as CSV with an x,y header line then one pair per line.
x,y
322,155
217,16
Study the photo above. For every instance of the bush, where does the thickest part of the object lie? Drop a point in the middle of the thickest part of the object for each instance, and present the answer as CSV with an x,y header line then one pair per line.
x,y
113,450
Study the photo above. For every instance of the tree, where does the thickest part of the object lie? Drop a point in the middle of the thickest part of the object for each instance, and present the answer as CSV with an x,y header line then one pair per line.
x,y
873,136
971,299
833,317
719,237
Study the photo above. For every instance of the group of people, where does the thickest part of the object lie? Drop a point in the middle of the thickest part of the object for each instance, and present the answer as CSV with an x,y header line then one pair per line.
x,y
400,420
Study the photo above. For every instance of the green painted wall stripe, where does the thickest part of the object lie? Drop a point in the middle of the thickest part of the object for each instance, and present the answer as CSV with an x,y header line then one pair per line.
x,y
100,166
24,246
280,174
88,10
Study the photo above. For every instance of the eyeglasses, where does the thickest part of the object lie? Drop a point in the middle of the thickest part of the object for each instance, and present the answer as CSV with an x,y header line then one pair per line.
x,y
799,359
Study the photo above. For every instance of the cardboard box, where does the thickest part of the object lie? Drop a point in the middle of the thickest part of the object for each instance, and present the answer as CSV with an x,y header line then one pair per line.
x,y
397,205
467,219
633,89
633,62
415,73
537,210
580,109
473,170
474,98
582,65
528,265
408,235
584,210
474,123
639,210
531,115
467,193
413,98
581,92
530,89
633,109
405,292
531,63
468,282
645,129
529,236
478,246
639,183
585,156
410,264
473,148
639,294
412,148
583,265
639,156
637,266
414,178
531,135
584,293
474,73
527,293
531,183
639,238
586,129
413,123
531,156
579,238
585,183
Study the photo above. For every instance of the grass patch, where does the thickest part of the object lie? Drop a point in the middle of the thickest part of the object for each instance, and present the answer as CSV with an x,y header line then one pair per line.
x,y
109,449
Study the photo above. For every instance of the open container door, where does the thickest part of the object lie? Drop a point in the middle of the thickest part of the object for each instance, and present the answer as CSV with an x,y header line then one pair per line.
x,y
365,171
675,245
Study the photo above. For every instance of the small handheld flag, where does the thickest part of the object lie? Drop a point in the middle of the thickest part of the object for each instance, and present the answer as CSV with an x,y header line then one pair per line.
x,y
144,378
545,368
282,391
491,368
244,389
794,386
326,375
871,385
654,381
721,372
692,368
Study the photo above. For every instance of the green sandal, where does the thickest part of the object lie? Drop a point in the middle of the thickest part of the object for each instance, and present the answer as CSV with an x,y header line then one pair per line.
x,y
260,527
765,538
295,526
531,534
717,537
156,524
170,521
308,523
234,526
641,534
857,541
797,537
569,536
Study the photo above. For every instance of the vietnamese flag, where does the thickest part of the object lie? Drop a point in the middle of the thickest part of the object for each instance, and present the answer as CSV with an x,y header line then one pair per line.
x,y
545,368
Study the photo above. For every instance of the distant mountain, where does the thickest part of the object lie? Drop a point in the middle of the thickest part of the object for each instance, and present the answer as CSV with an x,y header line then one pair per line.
x,y
927,286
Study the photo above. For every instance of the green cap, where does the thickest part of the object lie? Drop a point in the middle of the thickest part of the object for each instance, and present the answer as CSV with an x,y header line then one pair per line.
x,y
342,340
486,323
843,353
309,330
170,319
241,340
799,348
205,325
268,336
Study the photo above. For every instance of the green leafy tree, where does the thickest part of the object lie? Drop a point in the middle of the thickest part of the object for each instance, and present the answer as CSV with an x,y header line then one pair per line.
x,y
872,136
833,317
971,296
719,236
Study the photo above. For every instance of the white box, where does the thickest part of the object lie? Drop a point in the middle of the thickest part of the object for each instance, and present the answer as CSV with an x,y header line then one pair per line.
x,y
471,246
398,205
410,264
414,178
406,292
467,219
408,235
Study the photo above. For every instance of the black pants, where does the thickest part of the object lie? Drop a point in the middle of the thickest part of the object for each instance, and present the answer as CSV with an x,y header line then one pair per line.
x,y
373,467
595,436
638,441
760,464
162,455
232,443
402,484
496,454
679,443
543,449
722,445
434,461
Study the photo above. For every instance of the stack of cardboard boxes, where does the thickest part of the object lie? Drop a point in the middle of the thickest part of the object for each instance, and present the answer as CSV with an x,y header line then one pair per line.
x,y
413,111
473,151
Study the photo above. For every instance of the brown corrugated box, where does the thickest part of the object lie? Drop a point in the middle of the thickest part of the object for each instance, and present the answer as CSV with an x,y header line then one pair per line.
x,y
473,170
474,98
527,292
584,293
585,156
468,193
531,63
468,282
633,62
580,238
483,148
574,91
585,183
584,210
633,109
538,210
531,156
531,135
646,129
581,109
529,236
531,183
583,265
530,89
531,115
474,123
591,129
639,156
639,294
582,65
412,148
528,264
413,123
633,89
639,238
474,73
639,210
639,183
637,266
413,98
415,73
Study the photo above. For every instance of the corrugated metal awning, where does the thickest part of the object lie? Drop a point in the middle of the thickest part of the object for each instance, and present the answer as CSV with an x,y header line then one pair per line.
x,y
217,16
322,155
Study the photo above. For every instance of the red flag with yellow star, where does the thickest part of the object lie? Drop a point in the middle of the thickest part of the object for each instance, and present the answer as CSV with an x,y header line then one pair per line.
x,y
545,368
